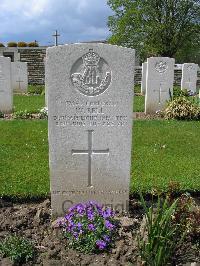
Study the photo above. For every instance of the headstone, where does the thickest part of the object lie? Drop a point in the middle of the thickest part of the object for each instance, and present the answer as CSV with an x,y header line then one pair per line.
x,y
144,75
19,77
6,93
90,124
189,77
160,77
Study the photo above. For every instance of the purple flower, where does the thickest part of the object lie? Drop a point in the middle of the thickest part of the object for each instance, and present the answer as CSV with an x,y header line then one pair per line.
x,y
80,209
106,238
75,234
108,213
90,215
109,225
101,244
91,227
79,225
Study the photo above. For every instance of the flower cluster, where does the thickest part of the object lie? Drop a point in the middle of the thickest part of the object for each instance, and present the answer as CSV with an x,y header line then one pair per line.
x,y
43,113
89,227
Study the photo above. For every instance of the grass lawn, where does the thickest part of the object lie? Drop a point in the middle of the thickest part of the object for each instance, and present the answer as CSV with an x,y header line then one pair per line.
x,y
24,158
163,151
138,105
31,103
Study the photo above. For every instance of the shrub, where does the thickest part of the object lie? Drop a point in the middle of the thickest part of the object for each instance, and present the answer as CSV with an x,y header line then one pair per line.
x,y
159,236
17,248
12,44
43,113
22,115
2,45
177,92
187,214
36,89
1,114
33,44
89,227
22,44
182,108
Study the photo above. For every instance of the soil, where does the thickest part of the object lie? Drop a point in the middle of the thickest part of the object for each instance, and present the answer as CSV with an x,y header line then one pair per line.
x,y
33,221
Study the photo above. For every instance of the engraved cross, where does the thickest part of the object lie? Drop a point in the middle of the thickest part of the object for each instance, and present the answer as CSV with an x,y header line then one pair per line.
x,y
90,152
19,81
160,92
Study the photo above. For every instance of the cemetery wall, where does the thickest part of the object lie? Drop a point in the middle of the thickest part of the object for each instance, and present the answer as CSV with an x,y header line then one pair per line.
x,y
35,58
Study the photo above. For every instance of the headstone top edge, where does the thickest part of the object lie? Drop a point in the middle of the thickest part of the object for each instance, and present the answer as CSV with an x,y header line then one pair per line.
x,y
89,44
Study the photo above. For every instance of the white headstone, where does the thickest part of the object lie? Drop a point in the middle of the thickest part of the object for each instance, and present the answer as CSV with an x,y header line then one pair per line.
x,y
90,124
189,76
6,93
19,77
144,80
159,86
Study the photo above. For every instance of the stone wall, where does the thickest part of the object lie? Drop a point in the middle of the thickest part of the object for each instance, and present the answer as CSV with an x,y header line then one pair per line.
x,y
35,57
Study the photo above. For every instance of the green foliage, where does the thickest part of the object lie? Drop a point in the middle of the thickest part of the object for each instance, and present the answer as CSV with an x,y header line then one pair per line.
x,y
2,45
22,115
36,89
17,248
155,28
1,114
12,44
181,108
177,92
33,44
22,44
159,238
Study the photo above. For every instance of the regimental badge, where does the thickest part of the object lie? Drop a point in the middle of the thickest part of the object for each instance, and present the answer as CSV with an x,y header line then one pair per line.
x,y
190,67
91,74
161,67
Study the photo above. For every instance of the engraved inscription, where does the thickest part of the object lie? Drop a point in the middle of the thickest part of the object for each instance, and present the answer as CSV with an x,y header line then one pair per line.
x,y
161,67
91,74
90,152
89,113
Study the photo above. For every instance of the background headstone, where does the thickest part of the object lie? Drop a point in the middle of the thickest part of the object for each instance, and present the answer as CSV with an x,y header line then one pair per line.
x,y
6,93
90,95
19,77
159,86
189,76
144,75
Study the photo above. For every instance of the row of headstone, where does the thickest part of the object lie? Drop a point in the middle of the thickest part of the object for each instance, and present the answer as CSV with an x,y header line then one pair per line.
x,y
188,80
157,81
13,78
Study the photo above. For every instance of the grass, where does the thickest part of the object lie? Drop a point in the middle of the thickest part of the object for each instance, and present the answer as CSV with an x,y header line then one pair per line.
x,y
138,105
163,151
24,158
31,103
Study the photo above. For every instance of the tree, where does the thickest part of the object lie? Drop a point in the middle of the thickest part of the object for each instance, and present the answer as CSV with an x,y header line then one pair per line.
x,y
156,27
